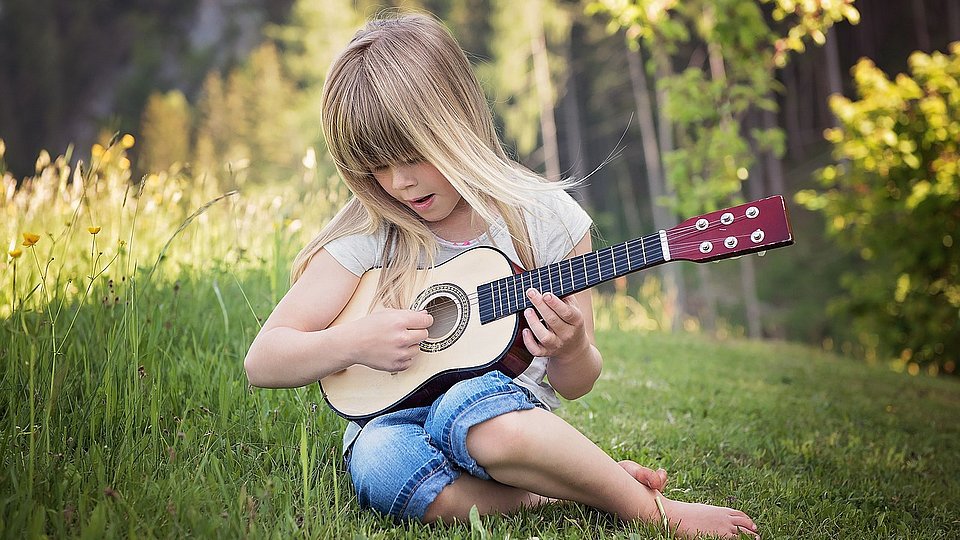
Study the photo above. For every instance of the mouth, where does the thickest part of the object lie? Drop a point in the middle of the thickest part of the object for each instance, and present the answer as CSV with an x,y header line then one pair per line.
x,y
422,202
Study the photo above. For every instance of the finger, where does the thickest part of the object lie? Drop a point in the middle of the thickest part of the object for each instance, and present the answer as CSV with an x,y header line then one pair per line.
x,y
565,308
420,319
648,477
416,336
744,522
536,324
546,312
532,344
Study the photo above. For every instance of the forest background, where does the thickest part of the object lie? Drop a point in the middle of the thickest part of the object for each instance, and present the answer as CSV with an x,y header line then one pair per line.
x,y
667,108
161,165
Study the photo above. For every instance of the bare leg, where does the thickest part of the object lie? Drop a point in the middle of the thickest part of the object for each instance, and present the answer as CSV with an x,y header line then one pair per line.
x,y
537,452
492,497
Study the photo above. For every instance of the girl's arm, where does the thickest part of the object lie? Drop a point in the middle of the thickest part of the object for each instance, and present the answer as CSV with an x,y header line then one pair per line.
x,y
297,346
565,336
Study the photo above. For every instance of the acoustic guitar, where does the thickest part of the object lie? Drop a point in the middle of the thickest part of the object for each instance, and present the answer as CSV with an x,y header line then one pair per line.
x,y
477,299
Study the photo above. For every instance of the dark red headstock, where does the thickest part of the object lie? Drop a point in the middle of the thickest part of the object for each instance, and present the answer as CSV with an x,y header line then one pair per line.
x,y
747,228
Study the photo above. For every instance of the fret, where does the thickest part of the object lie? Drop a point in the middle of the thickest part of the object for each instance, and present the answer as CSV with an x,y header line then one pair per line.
x,y
516,294
582,273
606,251
527,285
626,248
594,261
613,253
643,250
555,277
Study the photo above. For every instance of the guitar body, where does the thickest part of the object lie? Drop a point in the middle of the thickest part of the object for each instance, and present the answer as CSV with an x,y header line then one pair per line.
x,y
459,346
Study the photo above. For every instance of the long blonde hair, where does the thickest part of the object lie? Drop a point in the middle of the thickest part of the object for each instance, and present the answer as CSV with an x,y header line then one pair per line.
x,y
403,91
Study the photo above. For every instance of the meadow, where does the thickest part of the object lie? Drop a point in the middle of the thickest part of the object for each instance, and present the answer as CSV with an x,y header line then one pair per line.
x,y
126,309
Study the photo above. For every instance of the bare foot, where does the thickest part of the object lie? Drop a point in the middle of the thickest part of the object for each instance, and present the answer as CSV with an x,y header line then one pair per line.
x,y
653,479
693,519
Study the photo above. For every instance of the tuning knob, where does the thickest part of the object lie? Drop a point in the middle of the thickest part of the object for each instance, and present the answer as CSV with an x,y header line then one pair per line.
x,y
706,247
757,236
726,218
702,224
730,242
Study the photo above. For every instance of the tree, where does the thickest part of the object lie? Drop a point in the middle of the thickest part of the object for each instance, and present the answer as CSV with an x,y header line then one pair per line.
x,y
893,198
526,75
732,53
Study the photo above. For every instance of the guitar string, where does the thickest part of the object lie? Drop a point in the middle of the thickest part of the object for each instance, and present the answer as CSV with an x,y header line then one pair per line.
x,y
676,235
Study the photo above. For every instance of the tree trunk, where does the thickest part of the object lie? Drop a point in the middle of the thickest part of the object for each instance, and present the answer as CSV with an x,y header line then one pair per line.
x,y
672,275
834,76
548,124
791,112
573,134
920,25
648,134
774,165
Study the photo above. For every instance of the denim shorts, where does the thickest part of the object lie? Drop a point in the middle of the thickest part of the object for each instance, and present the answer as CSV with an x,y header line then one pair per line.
x,y
401,461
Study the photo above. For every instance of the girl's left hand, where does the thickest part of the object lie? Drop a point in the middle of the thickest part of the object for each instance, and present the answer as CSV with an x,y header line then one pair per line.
x,y
561,330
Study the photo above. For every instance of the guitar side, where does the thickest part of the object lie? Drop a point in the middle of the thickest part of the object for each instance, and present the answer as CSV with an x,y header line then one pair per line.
x,y
359,392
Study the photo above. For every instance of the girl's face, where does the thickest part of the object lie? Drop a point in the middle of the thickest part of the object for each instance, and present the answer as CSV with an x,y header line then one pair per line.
x,y
422,187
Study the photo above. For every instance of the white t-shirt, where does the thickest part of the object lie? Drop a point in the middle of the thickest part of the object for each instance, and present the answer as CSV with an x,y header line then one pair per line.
x,y
555,226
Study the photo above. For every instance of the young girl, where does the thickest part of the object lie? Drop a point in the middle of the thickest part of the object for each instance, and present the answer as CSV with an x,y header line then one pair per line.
x,y
407,124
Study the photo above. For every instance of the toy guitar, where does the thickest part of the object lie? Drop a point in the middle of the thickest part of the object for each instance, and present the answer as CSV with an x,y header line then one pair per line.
x,y
477,299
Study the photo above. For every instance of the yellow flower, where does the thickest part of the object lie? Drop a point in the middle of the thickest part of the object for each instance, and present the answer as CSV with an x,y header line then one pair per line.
x,y
93,230
127,141
97,150
30,239
15,253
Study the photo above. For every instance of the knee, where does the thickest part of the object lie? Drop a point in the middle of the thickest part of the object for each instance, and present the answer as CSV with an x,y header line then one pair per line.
x,y
501,439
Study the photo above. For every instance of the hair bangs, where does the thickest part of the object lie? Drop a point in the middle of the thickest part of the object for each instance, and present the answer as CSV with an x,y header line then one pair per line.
x,y
373,136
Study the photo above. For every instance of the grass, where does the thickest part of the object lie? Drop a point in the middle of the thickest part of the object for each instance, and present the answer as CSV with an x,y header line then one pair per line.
x,y
124,409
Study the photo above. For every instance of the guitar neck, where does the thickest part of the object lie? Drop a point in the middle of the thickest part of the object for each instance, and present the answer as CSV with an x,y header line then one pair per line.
x,y
507,296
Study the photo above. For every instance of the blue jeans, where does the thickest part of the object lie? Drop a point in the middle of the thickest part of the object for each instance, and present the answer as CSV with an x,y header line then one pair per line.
x,y
402,460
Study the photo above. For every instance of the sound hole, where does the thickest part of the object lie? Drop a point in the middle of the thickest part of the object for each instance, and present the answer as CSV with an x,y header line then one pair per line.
x,y
450,308
445,316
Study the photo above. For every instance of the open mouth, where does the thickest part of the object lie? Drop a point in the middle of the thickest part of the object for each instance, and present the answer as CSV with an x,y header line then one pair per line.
x,y
422,202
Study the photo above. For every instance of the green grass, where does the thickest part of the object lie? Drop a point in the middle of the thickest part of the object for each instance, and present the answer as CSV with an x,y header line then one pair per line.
x,y
150,430
124,409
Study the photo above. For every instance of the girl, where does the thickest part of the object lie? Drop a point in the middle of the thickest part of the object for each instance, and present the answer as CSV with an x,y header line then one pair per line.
x,y
412,136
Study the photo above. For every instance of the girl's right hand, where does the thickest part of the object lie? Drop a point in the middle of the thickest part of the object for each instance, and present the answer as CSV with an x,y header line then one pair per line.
x,y
388,340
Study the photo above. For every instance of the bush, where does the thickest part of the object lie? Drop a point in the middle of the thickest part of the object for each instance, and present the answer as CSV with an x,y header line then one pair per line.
x,y
893,198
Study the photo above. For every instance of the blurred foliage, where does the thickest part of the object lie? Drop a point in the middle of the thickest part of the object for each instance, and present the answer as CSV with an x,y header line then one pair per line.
x,y
511,72
707,102
893,198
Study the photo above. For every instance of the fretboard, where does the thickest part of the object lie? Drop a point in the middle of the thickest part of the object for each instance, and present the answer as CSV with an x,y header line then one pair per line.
x,y
506,296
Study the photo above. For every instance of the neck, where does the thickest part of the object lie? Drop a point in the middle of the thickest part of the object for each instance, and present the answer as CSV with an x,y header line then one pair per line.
x,y
508,295
461,225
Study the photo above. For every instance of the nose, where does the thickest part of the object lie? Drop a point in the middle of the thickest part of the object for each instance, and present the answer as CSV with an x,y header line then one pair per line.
x,y
403,176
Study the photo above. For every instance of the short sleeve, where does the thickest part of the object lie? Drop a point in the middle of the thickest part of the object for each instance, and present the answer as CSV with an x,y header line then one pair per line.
x,y
357,253
557,226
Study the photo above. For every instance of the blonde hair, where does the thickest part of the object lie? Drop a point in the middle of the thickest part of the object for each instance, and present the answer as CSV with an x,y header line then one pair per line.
x,y
403,91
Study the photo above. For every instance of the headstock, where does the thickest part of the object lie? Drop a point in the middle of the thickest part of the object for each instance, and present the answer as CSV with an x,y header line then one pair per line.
x,y
747,228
